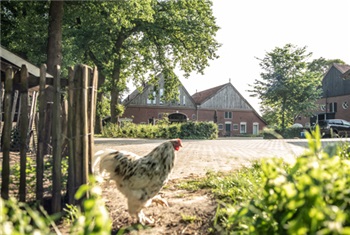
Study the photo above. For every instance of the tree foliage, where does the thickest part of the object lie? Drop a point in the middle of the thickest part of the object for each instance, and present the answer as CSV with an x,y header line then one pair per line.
x,y
322,65
136,40
127,40
287,87
24,28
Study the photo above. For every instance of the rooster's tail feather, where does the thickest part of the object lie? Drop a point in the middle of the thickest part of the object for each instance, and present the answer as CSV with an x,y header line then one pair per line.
x,y
104,162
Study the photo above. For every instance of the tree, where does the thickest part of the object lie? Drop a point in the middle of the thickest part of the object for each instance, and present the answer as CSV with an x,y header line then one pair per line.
x,y
24,27
288,88
136,40
127,40
322,65
54,45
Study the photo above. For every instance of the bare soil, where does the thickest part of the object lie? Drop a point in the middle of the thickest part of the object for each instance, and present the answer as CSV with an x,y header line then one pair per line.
x,y
188,212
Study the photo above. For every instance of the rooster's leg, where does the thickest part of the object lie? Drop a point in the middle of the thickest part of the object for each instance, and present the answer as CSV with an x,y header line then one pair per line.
x,y
160,201
143,219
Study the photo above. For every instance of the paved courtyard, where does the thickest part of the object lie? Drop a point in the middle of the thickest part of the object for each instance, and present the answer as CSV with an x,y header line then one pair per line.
x,y
199,156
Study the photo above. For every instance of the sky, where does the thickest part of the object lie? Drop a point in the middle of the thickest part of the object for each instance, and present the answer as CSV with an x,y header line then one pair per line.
x,y
251,28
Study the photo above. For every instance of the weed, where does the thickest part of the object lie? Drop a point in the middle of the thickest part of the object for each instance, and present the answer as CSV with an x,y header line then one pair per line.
x,y
189,219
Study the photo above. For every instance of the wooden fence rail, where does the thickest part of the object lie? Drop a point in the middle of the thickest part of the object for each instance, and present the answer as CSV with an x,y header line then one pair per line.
x,y
82,90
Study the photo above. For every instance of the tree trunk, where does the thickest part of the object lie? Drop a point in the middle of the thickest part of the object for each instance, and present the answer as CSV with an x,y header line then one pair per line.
x,y
98,121
115,92
54,46
283,113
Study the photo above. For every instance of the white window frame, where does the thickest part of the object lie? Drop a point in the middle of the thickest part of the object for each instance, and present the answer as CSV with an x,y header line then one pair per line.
x,y
245,128
220,126
183,100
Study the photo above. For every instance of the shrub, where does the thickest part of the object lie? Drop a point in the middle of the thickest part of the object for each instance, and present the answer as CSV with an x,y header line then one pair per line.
x,y
311,196
19,218
288,133
187,130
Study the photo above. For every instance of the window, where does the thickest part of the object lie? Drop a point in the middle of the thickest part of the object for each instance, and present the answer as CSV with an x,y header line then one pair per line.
x,y
161,92
228,115
323,107
152,99
333,107
184,100
243,128
345,105
194,116
221,127
235,127
149,101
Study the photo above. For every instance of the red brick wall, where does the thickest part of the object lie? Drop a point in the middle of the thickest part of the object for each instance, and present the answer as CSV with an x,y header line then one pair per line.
x,y
340,114
237,117
143,114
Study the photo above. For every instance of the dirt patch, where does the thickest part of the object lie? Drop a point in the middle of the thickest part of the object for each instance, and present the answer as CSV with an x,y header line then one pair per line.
x,y
188,212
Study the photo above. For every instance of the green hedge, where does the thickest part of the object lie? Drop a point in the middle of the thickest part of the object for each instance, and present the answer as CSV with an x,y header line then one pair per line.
x,y
187,130
288,133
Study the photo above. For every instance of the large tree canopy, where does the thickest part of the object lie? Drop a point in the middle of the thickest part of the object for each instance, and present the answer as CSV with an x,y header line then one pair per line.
x,y
130,40
287,87
136,40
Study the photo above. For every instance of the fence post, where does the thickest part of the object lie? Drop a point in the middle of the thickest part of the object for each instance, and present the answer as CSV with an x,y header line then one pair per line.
x,y
23,133
77,127
41,134
71,159
84,120
56,144
93,100
1,106
6,134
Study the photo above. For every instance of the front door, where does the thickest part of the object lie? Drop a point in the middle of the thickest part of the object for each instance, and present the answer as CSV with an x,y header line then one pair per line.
x,y
255,129
228,129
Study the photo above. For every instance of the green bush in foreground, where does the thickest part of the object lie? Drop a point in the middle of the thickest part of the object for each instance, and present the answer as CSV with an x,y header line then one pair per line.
x,y
19,218
311,196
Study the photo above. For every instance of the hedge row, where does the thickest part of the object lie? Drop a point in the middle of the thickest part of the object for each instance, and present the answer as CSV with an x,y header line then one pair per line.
x,y
288,133
187,130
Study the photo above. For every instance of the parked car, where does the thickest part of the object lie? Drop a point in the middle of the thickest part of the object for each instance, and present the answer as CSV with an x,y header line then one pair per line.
x,y
334,128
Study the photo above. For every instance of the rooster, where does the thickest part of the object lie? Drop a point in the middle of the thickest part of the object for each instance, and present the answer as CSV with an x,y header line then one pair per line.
x,y
138,178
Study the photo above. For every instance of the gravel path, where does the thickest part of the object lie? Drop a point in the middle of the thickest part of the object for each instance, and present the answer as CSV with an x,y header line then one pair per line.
x,y
199,156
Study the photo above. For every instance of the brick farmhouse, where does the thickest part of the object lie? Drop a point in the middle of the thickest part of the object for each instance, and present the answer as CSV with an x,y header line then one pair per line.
x,y
223,105
335,100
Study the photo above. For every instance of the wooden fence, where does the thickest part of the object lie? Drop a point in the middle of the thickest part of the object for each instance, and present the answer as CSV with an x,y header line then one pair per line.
x,y
67,121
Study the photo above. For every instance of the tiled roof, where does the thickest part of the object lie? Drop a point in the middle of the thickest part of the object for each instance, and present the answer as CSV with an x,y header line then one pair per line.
x,y
343,68
200,97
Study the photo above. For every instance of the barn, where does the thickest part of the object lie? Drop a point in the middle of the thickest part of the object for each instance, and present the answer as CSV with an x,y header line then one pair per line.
x,y
223,105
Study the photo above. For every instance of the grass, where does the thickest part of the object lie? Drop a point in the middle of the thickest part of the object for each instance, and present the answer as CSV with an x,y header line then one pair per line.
x,y
231,187
189,219
310,196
